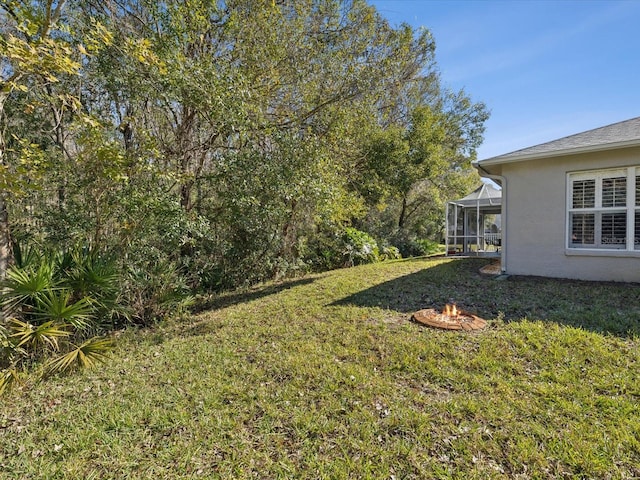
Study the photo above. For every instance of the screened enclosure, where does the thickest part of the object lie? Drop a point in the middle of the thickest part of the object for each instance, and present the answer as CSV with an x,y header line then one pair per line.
x,y
474,223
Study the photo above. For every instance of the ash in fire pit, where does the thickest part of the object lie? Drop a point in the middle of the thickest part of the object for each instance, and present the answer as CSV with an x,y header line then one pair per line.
x,y
449,319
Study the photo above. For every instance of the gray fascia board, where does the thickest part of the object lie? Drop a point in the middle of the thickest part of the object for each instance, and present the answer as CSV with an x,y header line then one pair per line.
x,y
512,158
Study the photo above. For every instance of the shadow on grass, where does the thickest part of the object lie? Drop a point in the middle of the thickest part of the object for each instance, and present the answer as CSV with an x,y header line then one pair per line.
x,y
611,308
254,293
229,299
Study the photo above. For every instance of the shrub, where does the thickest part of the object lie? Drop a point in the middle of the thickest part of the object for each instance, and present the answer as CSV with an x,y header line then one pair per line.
x,y
359,247
410,246
429,247
390,253
51,301
155,290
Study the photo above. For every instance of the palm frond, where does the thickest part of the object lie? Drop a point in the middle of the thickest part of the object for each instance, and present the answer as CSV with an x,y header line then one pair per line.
x,y
8,349
34,336
4,336
64,263
25,255
23,286
8,377
56,305
90,353
93,276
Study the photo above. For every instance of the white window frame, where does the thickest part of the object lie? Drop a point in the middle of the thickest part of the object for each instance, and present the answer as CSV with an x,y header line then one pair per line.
x,y
632,245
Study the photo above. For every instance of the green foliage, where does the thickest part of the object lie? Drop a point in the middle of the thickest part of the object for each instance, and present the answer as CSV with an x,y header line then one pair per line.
x,y
410,246
346,249
155,291
25,286
25,255
196,146
36,338
8,377
48,300
93,284
359,247
72,286
430,247
257,140
9,351
413,167
58,307
390,253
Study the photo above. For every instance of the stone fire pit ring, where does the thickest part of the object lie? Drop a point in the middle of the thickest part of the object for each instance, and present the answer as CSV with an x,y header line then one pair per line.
x,y
463,321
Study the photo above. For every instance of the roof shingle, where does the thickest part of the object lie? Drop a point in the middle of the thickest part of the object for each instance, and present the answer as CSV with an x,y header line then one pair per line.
x,y
617,134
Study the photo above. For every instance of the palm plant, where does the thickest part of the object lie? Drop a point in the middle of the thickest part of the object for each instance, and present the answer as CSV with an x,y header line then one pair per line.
x,y
157,290
9,350
51,300
8,353
21,342
6,346
89,273
25,255
8,377
94,277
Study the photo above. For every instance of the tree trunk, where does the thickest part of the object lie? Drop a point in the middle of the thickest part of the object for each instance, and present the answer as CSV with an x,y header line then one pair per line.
x,y
403,214
186,201
5,239
5,235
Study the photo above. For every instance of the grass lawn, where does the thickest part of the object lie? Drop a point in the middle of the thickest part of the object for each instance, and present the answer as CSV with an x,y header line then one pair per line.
x,y
326,377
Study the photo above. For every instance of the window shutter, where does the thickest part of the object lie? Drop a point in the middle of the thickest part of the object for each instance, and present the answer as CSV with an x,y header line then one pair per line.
x,y
582,229
614,192
584,193
614,229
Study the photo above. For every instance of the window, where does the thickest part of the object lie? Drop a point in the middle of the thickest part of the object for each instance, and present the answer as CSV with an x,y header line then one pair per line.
x,y
604,209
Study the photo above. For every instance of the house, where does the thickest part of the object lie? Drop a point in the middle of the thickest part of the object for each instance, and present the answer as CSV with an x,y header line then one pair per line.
x,y
571,207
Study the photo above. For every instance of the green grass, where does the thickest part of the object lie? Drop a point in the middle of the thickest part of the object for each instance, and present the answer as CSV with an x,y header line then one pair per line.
x,y
326,377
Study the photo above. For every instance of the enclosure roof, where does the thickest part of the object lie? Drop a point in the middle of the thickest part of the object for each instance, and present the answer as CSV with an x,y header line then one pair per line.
x,y
617,135
484,195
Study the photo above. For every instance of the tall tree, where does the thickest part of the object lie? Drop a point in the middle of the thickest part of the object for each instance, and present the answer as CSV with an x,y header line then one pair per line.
x,y
415,164
35,52
223,136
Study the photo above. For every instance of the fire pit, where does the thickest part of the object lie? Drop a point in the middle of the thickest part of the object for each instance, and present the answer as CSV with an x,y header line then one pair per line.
x,y
449,319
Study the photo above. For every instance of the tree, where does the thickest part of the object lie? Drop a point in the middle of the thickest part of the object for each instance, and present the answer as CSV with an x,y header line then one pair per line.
x,y
278,88
228,138
36,52
412,167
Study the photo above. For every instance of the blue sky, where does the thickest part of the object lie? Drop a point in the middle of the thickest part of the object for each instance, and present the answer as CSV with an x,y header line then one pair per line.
x,y
545,69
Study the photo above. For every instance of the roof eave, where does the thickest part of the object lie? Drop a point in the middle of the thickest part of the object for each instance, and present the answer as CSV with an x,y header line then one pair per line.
x,y
512,158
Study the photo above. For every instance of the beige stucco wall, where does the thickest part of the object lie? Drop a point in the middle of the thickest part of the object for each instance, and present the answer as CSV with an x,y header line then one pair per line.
x,y
535,222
